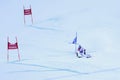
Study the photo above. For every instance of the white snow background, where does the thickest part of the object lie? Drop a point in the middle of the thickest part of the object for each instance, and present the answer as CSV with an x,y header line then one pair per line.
x,y
45,46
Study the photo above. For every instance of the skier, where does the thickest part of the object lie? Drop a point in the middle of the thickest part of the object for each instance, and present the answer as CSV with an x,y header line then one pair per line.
x,y
81,52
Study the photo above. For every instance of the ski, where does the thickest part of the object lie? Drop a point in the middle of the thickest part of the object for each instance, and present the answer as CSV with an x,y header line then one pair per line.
x,y
81,56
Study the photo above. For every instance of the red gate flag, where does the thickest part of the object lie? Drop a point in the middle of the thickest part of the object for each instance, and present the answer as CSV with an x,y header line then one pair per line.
x,y
27,12
12,46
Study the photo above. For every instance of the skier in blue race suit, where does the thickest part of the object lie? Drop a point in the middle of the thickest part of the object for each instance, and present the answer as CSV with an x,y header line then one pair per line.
x,y
81,52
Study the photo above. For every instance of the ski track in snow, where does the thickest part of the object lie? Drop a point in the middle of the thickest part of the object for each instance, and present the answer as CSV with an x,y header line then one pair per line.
x,y
43,28
63,69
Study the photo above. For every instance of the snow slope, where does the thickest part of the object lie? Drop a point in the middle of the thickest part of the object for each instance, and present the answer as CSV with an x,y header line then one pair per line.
x,y
45,46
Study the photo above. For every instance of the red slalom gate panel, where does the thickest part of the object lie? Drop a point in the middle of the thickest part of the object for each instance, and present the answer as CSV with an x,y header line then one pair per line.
x,y
12,46
27,12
